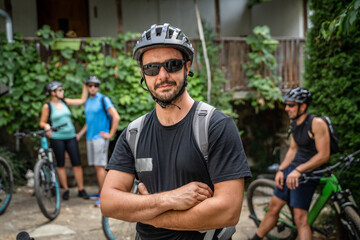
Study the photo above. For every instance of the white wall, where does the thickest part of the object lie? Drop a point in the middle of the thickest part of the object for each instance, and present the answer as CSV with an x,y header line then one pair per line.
x,y
235,18
24,17
139,15
105,24
284,17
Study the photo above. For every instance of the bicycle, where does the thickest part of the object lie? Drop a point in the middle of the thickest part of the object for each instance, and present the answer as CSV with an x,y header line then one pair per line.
x,y
261,191
47,189
6,185
112,227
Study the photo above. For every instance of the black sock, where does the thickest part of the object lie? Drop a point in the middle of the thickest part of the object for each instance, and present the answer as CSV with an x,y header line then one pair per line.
x,y
256,237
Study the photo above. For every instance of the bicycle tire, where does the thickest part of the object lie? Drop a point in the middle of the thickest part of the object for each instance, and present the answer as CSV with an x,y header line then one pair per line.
x,y
116,229
47,189
6,185
259,195
353,222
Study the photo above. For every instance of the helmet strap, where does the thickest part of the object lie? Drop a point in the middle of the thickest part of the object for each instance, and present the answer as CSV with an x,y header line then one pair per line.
x,y
299,114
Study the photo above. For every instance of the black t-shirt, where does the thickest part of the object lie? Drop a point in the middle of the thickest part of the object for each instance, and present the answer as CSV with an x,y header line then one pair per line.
x,y
168,157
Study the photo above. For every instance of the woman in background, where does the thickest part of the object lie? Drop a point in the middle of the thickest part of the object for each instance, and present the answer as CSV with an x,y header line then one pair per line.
x,y
55,113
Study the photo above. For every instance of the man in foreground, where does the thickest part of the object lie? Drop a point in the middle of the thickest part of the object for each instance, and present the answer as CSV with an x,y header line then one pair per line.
x,y
182,195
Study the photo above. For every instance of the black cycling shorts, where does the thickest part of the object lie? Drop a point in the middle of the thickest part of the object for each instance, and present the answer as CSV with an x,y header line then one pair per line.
x,y
70,146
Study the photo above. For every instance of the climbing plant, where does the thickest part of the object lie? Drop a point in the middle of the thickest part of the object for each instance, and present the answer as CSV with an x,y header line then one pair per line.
x,y
261,69
332,74
22,67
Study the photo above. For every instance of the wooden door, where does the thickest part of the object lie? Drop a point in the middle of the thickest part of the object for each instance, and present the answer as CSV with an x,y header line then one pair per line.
x,y
64,15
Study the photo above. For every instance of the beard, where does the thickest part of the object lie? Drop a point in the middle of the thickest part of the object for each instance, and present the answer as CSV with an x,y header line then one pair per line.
x,y
168,95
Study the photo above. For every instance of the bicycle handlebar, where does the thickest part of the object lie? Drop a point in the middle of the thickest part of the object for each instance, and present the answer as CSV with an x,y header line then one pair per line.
x,y
346,160
38,133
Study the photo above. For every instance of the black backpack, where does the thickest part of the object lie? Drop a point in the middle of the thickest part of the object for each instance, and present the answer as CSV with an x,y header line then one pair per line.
x,y
334,140
200,124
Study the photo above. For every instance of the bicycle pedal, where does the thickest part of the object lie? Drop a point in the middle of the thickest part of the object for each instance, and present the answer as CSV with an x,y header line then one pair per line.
x,y
281,227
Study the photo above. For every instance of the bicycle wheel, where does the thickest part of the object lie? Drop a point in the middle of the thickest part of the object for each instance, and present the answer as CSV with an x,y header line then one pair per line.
x,y
47,190
6,185
116,229
352,224
259,195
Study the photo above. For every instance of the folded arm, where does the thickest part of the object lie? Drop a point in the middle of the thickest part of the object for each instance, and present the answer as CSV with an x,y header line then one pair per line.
x,y
221,210
117,202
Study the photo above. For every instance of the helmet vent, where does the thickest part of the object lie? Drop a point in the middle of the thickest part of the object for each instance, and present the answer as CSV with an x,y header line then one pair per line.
x,y
148,36
158,31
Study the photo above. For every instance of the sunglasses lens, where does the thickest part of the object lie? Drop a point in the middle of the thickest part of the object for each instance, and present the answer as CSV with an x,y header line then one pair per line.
x,y
171,66
152,69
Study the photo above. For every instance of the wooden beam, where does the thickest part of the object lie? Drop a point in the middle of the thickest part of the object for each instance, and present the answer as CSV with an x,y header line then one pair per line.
x,y
120,28
305,16
8,7
202,37
218,22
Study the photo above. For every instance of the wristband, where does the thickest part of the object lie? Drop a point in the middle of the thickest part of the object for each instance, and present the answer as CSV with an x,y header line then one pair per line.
x,y
79,134
280,170
297,170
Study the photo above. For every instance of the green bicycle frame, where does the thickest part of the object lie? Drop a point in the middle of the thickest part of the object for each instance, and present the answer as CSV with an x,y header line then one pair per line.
x,y
331,186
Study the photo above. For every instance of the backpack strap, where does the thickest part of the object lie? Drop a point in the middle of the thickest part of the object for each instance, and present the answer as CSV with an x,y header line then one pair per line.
x,y
103,106
311,117
201,122
49,117
133,132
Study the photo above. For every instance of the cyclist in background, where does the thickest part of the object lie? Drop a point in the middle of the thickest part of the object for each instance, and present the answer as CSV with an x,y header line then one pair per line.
x,y
102,121
63,139
307,152
181,195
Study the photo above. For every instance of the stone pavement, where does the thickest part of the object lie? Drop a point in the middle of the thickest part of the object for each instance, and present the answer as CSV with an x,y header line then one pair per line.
x,y
78,219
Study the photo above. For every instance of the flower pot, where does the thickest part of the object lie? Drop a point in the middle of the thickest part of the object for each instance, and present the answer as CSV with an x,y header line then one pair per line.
x,y
71,43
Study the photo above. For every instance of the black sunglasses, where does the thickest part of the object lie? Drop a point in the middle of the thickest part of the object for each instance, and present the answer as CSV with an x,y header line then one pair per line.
x,y
171,66
290,104
93,85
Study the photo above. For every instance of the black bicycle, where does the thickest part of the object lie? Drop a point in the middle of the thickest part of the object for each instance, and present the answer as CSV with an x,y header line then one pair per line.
x,y
6,185
47,188
343,206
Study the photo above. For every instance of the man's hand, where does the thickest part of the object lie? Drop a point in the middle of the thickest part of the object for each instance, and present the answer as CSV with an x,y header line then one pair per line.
x,y
105,135
184,197
279,179
292,180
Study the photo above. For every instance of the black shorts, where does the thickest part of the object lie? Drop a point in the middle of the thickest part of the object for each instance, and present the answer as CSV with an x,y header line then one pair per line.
x,y
70,146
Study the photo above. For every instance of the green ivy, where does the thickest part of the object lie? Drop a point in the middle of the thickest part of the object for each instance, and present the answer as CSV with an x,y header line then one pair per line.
x,y
20,63
261,69
333,76
344,24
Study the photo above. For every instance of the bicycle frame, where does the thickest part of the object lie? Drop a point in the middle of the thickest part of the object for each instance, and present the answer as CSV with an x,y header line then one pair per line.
x,y
331,186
